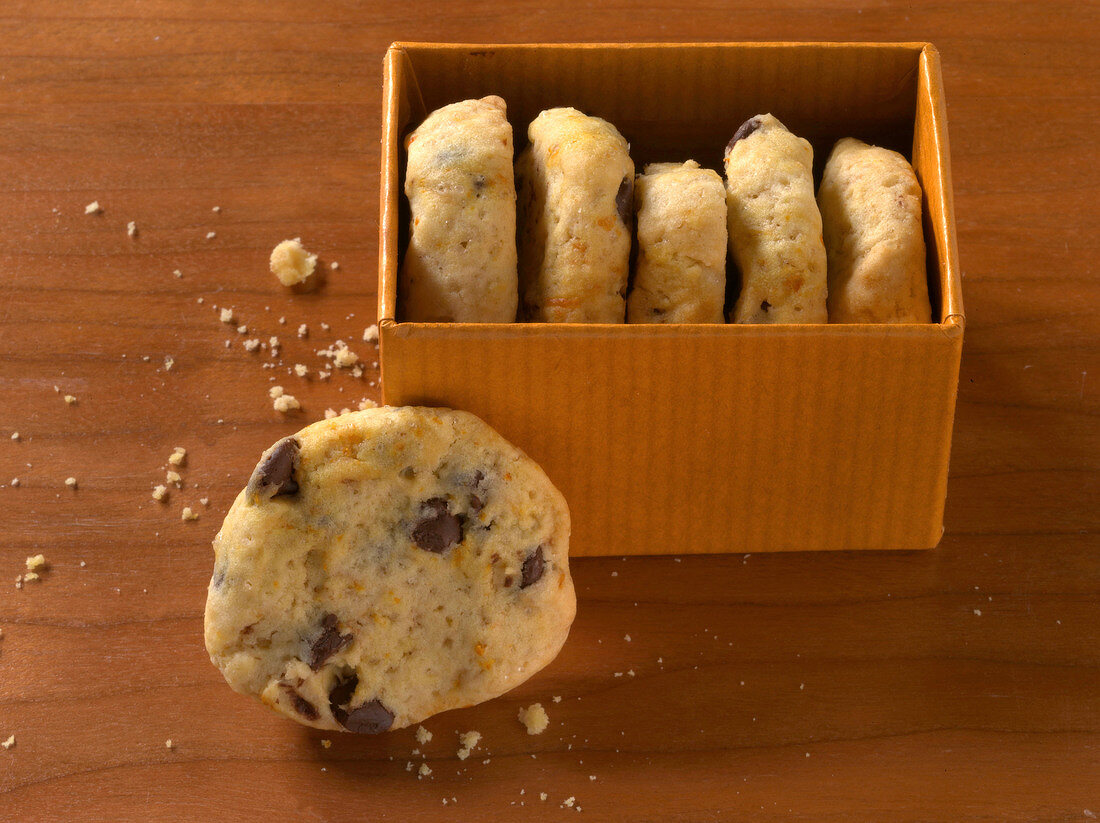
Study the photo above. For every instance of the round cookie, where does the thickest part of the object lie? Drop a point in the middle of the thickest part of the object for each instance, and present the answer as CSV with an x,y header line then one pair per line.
x,y
461,262
774,225
574,188
386,565
871,212
680,273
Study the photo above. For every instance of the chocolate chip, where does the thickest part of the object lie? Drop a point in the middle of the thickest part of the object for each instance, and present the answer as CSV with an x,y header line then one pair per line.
x,y
508,580
370,718
747,128
476,479
624,199
438,529
340,694
765,305
479,184
533,568
301,705
408,472
327,643
476,503
275,473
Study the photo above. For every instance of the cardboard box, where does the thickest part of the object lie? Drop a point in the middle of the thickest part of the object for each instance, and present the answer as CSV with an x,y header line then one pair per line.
x,y
696,438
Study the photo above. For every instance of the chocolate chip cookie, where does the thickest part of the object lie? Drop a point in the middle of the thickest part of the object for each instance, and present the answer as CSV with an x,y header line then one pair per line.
x,y
871,209
386,565
461,262
575,186
774,225
680,273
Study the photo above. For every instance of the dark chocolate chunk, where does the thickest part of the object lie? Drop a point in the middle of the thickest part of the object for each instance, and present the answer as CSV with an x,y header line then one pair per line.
x,y
275,473
747,128
765,305
508,581
301,705
476,503
624,199
479,184
370,718
438,529
476,479
341,693
327,643
533,568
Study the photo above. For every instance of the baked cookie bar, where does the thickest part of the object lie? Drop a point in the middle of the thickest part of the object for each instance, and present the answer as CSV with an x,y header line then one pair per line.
x,y
680,272
575,183
461,261
774,225
386,565
871,210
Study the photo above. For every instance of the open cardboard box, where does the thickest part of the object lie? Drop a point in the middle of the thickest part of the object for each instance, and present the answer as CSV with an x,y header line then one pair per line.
x,y
701,438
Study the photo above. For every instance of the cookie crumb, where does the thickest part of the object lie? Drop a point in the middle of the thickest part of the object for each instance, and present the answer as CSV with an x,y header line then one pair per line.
x,y
291,263
169,362
424,770
556,698
325,327
303,330
626,637
131,229
168,744
7,744
70,482
468,741
178,455
205,501
173,477
93,208
15,481
177,273
275,391
423,736
301,369
187,514
329,414
69,399
36,562
31,577
160,493
210,235
366,403
334,265
242,329
227,316
216,209
534,717
286,402
569,801
370,335
978,612
326,744
15,435
345,358
252,345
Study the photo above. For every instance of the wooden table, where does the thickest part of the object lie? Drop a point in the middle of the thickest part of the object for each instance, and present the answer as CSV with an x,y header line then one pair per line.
x,y
960,684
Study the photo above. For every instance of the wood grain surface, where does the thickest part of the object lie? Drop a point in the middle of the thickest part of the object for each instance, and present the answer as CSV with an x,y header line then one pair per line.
x,y
961,684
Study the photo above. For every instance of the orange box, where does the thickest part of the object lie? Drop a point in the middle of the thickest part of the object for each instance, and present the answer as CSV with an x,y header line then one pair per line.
x,y
702,438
